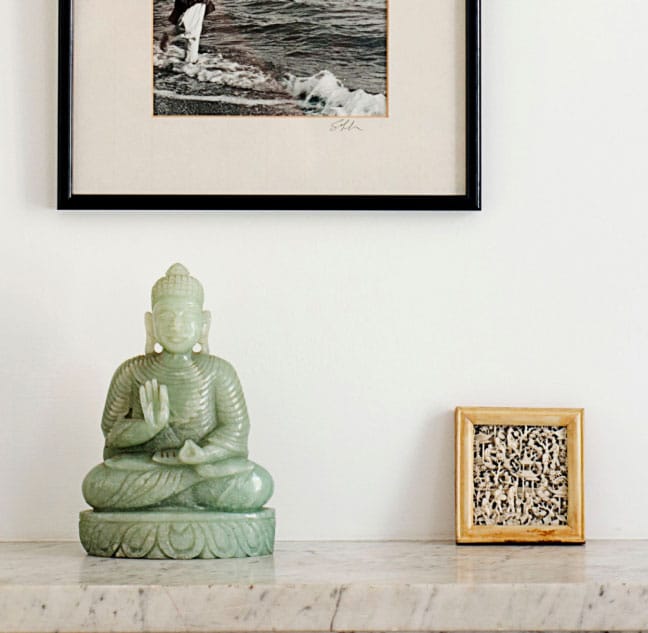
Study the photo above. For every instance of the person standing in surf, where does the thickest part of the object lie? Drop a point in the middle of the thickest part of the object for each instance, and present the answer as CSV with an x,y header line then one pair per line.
x,y
187,19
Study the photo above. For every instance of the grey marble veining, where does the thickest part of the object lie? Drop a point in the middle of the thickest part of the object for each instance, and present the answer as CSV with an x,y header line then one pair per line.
x,y
330,586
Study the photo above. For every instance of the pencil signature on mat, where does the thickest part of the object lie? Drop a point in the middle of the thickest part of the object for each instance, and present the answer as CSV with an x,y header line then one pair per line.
x,y
345,125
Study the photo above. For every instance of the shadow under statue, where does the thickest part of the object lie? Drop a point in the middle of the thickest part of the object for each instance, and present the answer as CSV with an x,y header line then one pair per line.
x,y
176,481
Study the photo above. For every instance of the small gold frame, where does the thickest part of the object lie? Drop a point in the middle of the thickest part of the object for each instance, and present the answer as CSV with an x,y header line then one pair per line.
x,y
465,420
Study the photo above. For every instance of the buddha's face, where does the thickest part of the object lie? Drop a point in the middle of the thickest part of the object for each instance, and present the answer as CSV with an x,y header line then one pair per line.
x,y
177,324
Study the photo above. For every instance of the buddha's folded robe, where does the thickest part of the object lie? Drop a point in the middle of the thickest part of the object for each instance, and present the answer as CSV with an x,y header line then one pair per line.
x,y
135,481
207,407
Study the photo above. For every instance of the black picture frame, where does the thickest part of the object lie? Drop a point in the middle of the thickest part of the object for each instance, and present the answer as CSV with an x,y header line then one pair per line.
x,y
67,200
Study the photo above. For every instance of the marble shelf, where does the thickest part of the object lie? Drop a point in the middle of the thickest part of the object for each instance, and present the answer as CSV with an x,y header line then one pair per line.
x,y
330,586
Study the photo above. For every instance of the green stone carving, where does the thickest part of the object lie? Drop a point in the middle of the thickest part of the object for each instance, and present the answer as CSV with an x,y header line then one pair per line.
x,y
176,474
179,535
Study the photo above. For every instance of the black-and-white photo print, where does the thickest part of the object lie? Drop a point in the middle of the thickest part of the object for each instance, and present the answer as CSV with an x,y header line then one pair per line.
x,y
270,57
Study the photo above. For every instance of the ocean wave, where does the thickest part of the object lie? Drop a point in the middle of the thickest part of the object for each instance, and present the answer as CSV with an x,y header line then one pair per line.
x,y
323,93
319,94
216,69
303,37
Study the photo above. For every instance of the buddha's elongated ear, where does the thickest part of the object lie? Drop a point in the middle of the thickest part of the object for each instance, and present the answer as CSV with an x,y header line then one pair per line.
x,y
149,348
204,335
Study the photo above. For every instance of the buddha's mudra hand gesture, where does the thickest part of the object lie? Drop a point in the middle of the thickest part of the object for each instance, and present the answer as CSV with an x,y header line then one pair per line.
x,y
154,399
190,454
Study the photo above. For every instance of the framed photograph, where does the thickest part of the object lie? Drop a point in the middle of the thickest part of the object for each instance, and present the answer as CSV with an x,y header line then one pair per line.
x,y
519,475
200,105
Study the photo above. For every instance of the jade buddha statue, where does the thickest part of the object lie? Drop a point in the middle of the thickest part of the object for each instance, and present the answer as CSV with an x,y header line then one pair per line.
x,y
176,474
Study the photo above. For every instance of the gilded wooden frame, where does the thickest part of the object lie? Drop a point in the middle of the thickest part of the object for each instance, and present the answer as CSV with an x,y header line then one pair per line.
x,y
465,420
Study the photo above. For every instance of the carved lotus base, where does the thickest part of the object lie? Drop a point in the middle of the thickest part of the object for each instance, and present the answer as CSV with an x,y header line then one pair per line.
x,y
177,534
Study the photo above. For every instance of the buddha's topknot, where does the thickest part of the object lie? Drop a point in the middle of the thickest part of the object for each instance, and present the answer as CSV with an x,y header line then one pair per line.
x,y
177,283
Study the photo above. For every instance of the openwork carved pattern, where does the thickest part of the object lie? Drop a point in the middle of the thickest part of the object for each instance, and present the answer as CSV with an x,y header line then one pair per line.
x,y
520,475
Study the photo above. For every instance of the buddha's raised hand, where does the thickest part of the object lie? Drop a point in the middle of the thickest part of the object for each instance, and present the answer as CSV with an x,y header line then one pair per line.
x,y
154,399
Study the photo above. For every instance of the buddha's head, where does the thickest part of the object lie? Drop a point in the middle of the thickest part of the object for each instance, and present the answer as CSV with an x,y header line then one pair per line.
x,y
177,320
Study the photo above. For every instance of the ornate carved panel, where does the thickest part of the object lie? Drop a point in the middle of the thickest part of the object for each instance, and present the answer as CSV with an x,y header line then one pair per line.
x,y
520,475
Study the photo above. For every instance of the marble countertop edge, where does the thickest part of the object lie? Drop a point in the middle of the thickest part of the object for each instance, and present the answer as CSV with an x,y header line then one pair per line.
x,y
332,586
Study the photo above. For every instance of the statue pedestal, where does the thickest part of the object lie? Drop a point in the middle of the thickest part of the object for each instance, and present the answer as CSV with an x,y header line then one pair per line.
x,y
177,534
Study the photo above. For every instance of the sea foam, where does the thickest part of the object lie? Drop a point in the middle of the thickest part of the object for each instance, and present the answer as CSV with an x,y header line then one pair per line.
x,y
215,69
323,93
320,94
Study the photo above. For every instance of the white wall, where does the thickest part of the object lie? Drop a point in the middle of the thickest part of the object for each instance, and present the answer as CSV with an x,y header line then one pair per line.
x,y
355,335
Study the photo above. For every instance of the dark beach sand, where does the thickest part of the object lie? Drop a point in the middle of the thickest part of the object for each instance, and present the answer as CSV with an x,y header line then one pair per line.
x,y
171,107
